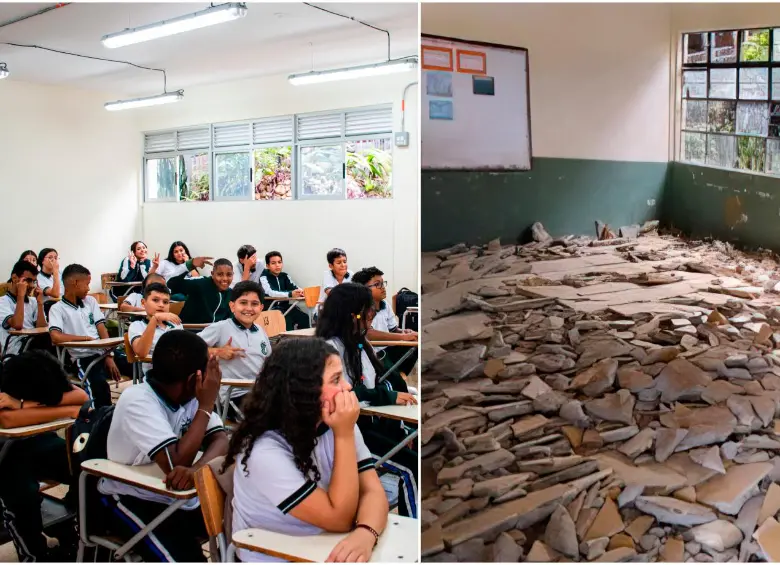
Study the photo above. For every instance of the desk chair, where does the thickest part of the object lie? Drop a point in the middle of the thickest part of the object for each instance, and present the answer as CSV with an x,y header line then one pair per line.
x,y
273,322
213,504
135,362
176,308
4,288
311,295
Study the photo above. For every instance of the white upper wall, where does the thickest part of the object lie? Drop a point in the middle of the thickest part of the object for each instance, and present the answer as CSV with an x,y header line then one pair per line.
x,y
599,73
373,232
69,175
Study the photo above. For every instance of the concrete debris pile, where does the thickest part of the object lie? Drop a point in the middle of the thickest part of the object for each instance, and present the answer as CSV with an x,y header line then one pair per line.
x,y
639,431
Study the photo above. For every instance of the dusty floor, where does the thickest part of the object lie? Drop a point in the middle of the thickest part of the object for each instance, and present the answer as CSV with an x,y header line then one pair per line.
x,y
601,402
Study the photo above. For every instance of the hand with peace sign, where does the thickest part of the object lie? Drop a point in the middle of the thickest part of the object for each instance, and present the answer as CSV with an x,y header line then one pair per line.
x,y
155,263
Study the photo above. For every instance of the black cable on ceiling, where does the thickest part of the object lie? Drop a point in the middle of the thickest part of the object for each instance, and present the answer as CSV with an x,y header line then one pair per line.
x,y
356,21
165,76
38,13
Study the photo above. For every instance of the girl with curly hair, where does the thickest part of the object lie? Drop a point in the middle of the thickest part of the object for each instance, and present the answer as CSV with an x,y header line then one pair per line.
x,y
301,466
344,322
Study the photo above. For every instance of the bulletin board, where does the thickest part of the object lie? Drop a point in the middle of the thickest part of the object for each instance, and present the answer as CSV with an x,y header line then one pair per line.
x,y
476,111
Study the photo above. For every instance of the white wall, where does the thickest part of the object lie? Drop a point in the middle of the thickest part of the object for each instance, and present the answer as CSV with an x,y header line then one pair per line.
x,y
373,232
69,175
599,73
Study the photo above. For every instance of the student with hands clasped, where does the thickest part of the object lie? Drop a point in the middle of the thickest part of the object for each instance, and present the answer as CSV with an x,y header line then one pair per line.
x,y
21,307
301,466
166,420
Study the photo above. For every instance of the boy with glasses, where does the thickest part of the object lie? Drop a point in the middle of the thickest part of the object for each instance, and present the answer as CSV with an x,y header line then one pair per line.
x,y
21,308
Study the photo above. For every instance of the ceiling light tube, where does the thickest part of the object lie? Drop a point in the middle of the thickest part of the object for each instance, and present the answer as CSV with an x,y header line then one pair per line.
x,y
3,70
210,16
165,98
386,68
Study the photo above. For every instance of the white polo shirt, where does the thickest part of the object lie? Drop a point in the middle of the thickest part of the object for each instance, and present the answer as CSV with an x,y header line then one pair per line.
x,y
7,310
254,341
238,273
168,270
134,300
329,281
369,373
275,485
143,424
45,282
385,320
138,328
81,319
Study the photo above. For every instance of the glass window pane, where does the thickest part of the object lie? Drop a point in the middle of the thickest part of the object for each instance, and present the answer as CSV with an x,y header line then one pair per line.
x,y
755,45
751,153
694,115
753,118
694,84
694,147
161,178
723,83
776,83
273,173
369,168
753,84
721,116
776,46
774,120
695,48
724,47
322,170
194,180
773,156
233,170
722,151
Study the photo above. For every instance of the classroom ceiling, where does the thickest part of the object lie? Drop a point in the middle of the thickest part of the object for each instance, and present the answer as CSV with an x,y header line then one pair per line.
x,y
273,39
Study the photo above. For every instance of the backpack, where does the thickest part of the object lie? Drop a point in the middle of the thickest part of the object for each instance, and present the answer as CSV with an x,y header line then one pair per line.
x,y
403,300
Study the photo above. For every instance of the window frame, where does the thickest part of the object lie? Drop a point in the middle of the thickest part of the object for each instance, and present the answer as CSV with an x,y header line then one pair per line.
x,y
295,143
772,64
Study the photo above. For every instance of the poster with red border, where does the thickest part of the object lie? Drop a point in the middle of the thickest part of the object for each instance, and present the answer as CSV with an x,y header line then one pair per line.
x,y
436,58
471,62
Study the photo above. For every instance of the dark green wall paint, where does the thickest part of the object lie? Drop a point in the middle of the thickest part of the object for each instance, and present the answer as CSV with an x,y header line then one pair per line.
x,y
566,195
729,205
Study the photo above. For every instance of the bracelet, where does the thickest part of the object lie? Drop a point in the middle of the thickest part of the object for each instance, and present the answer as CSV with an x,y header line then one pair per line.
x,y
208,414
370,529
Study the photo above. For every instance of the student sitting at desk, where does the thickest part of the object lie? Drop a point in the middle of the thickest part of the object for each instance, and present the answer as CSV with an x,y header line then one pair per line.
x,y
301,466
133,302
29,256
337,272
246,268
384,327
278,284
134,267
207,297
49,276
241,345
166,420
176,262
21,307
144,334
344,322
33,380
77,317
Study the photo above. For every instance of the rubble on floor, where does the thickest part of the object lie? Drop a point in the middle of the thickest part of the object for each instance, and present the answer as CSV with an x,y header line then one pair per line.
x,y
601,402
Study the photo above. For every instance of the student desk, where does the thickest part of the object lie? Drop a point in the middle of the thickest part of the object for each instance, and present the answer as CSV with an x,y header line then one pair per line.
x,y
125,317
10,435
130,286
106,345
195,327
397,544
292,300
109,307
26,336
306,332
148,477
409,413
231,384
412,345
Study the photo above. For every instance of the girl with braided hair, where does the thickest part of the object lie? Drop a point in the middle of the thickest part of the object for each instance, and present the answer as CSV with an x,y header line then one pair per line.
x,y
344,321
301,466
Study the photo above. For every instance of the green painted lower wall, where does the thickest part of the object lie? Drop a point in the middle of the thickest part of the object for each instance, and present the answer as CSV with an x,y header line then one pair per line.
x,y
566,195
731,206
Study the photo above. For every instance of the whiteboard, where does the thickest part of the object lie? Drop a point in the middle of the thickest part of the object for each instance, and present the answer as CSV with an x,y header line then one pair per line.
x,y
475,107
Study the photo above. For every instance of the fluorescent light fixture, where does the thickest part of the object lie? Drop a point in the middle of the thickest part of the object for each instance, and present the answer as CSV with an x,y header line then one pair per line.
x,y
3,70
210,16
165,98
386,68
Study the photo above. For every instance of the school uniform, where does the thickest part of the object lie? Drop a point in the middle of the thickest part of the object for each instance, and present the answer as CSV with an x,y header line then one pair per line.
x,y
7,311
205,303
382,434
82,319
146,422
275,485
282,286
386,321
168,269
127,274
134,300
329,281
45,282
256,345
138,328
238,274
